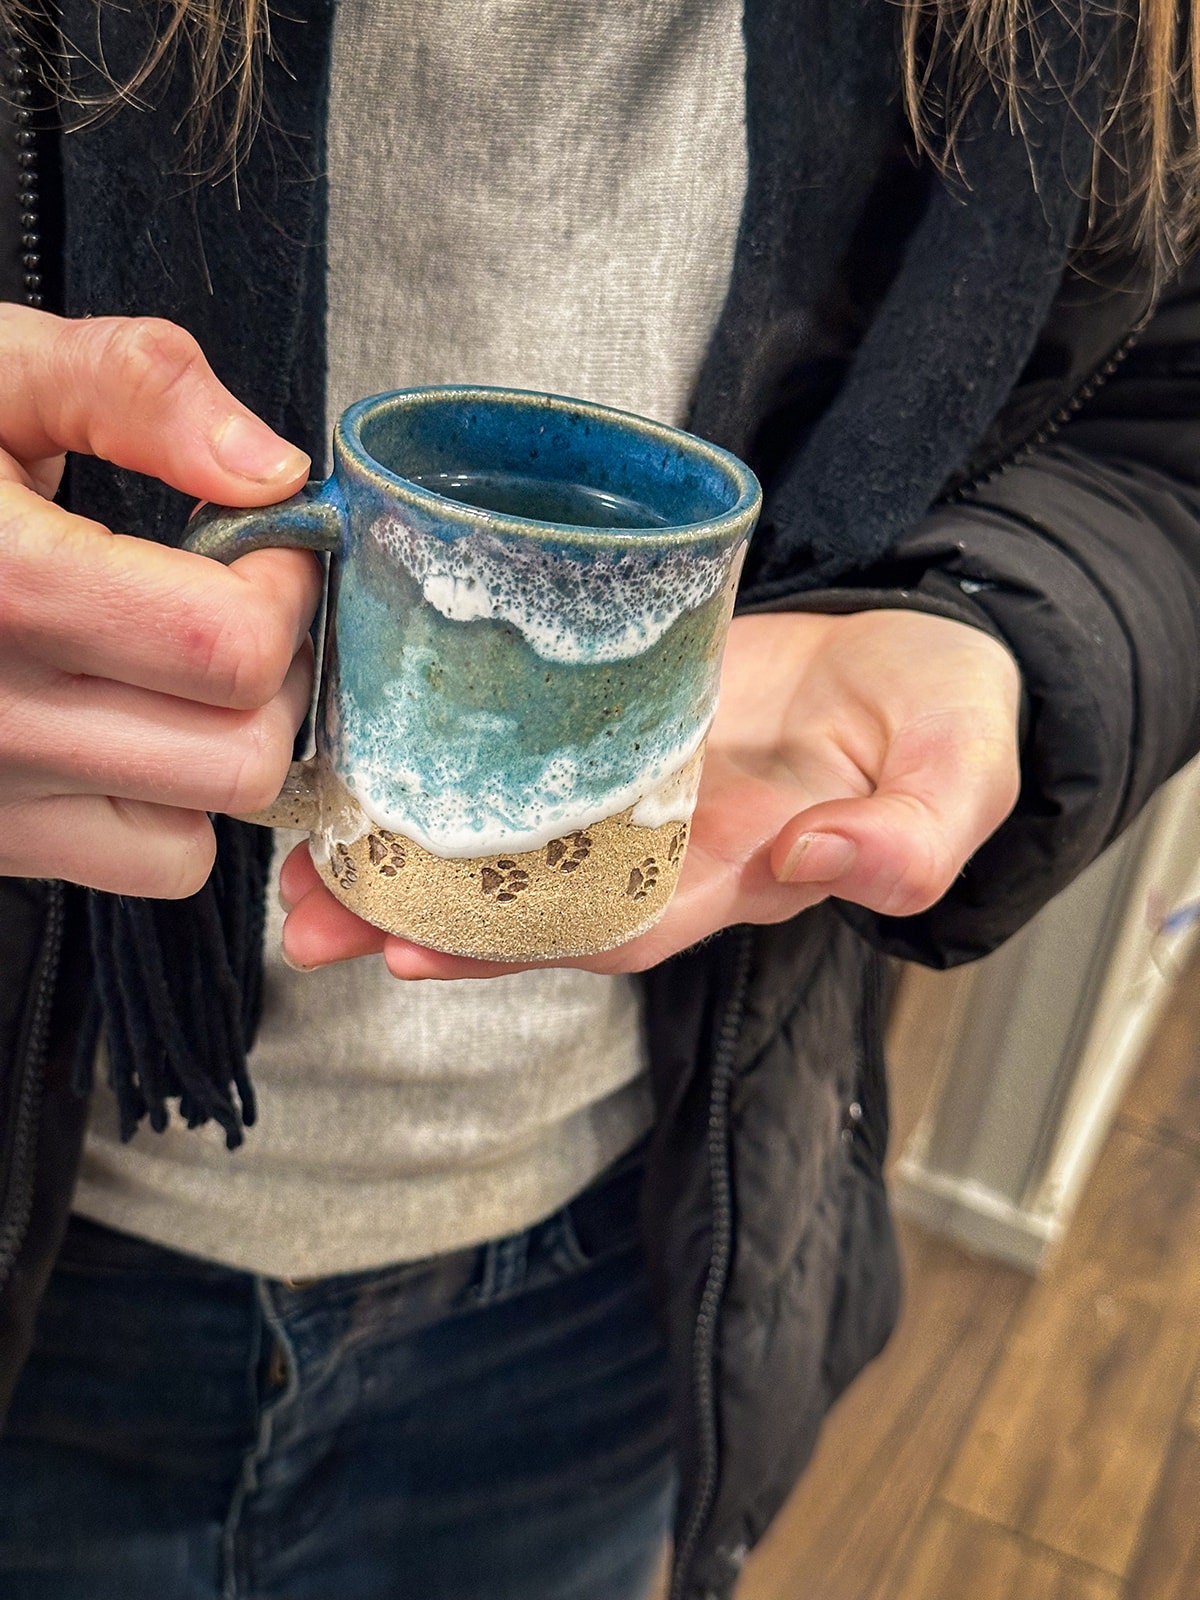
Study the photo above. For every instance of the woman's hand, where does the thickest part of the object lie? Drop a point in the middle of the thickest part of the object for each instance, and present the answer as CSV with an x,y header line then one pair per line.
x,y
140,687
864,756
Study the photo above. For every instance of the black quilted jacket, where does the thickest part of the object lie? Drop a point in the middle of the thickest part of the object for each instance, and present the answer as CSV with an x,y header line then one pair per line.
x,y
1054,500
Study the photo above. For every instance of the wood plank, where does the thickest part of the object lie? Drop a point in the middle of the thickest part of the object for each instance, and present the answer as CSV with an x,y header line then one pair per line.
x,y
1067,1445
1192,1419
957,1556
925,1013
1165,1096
885,1447
1136,1227
1167,1563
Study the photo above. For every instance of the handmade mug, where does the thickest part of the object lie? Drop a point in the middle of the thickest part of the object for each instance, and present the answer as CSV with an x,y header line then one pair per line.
x,y
528,603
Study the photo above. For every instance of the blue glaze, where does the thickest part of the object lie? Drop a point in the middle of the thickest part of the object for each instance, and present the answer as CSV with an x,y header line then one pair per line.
x,y
682,479
314,519
493,681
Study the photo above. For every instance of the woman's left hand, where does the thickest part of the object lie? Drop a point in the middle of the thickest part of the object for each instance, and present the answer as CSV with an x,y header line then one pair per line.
x,y
864,756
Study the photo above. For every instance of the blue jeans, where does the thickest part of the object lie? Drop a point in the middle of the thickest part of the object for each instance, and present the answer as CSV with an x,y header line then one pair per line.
x,y
487,1425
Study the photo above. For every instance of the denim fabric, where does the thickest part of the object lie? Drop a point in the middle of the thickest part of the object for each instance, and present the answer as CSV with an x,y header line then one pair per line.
x,y
492,1423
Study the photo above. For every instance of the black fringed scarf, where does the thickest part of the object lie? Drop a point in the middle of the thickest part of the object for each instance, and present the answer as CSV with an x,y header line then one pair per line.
x,y
180,990
179,983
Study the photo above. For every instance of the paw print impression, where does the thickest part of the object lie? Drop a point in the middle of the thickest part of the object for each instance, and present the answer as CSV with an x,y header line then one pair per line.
x,y
678,840
642,879
387,853
503,882
568,853
344,870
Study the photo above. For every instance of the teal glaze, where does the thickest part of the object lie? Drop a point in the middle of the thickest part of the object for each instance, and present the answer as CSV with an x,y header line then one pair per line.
x,y
494,681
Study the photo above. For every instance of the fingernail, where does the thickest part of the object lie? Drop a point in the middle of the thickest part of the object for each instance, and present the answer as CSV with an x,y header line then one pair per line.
x,y
818,858
295,965
248,448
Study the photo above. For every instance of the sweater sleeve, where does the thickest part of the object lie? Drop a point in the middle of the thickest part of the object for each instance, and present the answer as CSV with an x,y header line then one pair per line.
x,y
1084,558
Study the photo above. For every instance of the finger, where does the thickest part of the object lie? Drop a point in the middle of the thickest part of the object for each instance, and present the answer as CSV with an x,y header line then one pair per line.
x,y
121,847
899,850
87,736
319,931
111,606
136,391
297,876
43,477
412,962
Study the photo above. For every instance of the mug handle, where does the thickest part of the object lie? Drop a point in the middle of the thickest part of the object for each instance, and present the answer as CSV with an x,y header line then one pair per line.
x,y
310,520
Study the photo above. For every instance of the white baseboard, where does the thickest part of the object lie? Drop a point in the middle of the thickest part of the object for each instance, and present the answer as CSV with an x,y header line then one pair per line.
x,y
974,1216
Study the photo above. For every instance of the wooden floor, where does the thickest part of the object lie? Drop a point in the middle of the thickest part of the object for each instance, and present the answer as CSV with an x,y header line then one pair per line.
x,y
1022,1440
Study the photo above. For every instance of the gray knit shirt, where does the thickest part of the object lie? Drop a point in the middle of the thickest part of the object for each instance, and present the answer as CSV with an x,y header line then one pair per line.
x,y
538,193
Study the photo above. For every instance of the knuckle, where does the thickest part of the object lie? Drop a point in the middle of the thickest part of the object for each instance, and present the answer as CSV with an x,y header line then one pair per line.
x,y
148,357
257,775
22,515
45,555
247,653
11,318
175,850
15,519
18,732
188,868
34,530
910,898
925,877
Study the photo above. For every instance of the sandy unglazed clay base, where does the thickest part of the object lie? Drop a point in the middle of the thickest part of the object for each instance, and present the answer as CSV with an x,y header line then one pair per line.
x,y
588,891
578,895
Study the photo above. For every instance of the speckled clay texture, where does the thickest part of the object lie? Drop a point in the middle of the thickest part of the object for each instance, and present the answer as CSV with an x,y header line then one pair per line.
x,y
589,891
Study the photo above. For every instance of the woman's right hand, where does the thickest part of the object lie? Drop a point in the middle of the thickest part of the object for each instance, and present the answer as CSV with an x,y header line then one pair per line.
x,y
140,686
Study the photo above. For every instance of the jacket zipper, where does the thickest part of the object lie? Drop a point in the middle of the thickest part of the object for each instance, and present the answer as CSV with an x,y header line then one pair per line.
x,y
19,1203
19,78
1055,423
704,1341
18,1207
704,1337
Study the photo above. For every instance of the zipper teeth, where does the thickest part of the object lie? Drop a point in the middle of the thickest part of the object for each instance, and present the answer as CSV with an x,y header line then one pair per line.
x,y
29,1101
1055,423
19,79
719,1261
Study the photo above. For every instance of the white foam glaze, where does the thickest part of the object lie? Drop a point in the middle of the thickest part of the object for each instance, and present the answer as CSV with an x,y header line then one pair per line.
x,y
489,821
607,608
673,801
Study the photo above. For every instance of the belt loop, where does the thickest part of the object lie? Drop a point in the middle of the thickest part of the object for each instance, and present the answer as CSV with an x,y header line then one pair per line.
x,y
503,1269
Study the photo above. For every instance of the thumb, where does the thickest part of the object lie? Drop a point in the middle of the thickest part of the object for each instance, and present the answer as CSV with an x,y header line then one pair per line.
x,y
136,391
900,849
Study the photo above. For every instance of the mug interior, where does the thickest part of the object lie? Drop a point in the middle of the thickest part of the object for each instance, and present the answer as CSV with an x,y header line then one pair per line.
x,y
547,459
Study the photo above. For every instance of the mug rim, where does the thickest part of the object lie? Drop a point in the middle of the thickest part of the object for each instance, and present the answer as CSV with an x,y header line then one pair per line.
x,y
349,448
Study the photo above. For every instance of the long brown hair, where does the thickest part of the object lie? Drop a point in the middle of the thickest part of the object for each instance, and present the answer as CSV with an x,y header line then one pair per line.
x,y
1147,136
1146,169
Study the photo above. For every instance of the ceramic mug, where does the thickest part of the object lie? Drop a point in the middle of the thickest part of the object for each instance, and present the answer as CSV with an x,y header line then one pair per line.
x,y
528,603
